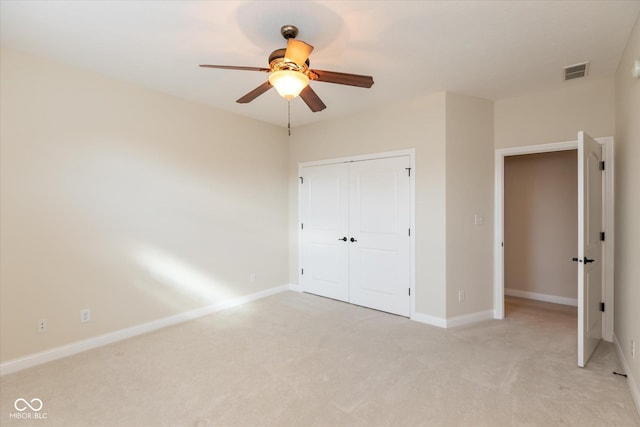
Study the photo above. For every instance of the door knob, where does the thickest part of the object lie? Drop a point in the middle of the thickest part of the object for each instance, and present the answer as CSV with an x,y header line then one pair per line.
x,y
587,260
353,240
344,239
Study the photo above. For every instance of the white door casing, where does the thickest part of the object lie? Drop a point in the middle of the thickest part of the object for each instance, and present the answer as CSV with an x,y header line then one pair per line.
x,y
368,200
590,253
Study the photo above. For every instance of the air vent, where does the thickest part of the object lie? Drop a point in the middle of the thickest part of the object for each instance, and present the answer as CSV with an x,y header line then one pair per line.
x,y
575,71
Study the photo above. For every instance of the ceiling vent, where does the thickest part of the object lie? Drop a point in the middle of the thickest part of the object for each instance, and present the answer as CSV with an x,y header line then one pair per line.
x,y
575,71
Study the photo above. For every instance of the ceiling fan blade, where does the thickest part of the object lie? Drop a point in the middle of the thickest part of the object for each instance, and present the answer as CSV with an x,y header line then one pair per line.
x,y
255,93
341,78
311,98
298,51
233,67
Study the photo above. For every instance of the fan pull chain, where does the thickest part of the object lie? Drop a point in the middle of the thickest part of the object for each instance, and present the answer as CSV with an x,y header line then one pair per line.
x,y
289,116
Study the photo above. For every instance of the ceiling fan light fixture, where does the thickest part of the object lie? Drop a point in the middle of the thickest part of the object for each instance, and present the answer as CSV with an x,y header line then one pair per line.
x,y
288,83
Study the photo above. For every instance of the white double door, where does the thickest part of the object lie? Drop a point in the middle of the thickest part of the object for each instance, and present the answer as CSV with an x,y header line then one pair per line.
x,y
355,232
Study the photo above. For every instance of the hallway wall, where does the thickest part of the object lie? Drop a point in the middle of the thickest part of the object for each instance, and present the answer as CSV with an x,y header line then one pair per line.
x,y
540,228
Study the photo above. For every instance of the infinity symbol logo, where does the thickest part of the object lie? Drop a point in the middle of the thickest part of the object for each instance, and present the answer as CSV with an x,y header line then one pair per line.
x,y
21,404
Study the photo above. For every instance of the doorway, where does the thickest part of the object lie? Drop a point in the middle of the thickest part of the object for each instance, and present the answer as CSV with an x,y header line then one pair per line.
x,y
540,233
607,254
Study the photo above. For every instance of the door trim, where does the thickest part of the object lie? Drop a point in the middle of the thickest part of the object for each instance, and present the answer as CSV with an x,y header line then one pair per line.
x,y
411,152
608,203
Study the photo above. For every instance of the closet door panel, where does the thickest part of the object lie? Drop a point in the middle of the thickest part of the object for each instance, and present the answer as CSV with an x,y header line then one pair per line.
x,y
324,213
379,219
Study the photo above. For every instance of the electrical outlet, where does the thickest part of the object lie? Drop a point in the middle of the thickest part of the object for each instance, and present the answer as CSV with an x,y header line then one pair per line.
x,y
85,315
478,219
252,277
633,349
460,296
42,325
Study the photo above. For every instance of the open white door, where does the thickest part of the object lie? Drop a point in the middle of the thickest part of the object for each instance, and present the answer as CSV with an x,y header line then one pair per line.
x,y
589,246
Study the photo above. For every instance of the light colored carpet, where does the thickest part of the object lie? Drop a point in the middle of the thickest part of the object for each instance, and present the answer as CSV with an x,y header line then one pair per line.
x,y
300,360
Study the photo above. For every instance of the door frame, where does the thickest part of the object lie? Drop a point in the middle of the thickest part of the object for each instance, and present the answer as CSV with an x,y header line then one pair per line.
x,y
608,218
411,152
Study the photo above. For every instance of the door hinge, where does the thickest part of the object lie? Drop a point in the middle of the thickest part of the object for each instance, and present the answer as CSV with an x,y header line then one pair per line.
x,y
408,171
409,291
602,307
409,232
302,271
602,165
602,236
302,226
301,179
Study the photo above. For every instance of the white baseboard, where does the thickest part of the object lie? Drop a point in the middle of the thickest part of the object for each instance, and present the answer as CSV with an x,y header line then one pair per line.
x,y
294,287
429,320
467,319
454,322
541,297
101,340
631,382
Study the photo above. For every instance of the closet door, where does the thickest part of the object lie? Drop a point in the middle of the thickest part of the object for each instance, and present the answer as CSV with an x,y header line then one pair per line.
x,y
324,212
379,220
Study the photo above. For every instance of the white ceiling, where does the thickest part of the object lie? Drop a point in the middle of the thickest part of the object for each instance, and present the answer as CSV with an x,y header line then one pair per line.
x,y
490,49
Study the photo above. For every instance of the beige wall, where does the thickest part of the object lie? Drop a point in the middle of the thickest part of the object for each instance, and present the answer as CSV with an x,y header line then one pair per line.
x,y
627,208
556,116
418,124
132,203
469,182
540,230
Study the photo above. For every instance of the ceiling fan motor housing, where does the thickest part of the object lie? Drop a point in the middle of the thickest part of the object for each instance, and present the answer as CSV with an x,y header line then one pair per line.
x,y
278,56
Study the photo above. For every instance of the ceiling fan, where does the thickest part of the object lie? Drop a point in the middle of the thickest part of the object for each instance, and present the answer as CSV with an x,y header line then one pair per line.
x,y
290,74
